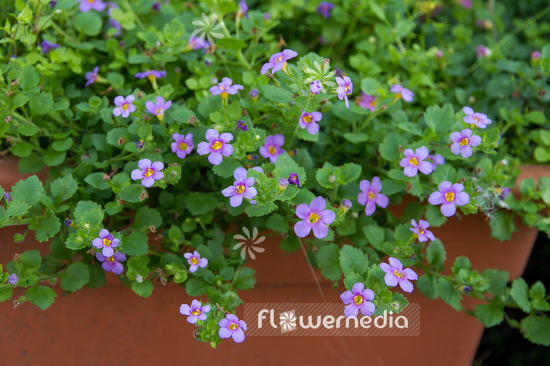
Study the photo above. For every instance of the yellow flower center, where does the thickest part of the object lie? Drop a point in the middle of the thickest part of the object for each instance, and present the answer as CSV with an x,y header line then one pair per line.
x,y
464,141
240,189
279,59
151,77
313,218
476,119
421,231
125,106
196,312
225,95
234,326
158,111
307,118
358,300
149,172
91,1
182,146
449,196
217,145
194,261
348,89
413,161
111,259
371,196
397,274
272,150
372,103
106,242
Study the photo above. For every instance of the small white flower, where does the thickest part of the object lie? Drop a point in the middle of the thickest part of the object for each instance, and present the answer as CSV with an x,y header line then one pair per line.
x,y
139,278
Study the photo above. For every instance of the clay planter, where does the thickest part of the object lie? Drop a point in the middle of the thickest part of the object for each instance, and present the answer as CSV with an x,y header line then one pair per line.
x,y
112,323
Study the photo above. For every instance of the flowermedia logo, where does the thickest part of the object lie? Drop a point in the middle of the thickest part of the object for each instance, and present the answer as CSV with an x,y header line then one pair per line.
x,y
328,319
249,243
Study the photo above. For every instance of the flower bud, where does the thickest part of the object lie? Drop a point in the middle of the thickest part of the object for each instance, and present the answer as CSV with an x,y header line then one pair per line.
x,y
315,87
345,205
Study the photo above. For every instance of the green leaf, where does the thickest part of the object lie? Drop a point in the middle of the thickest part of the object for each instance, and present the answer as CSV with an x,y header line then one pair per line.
x,y
88,212
132,193
536,329
62,145
350,172
135,244
351,279
276,223
536,117
428,286
226,168
449,294
389,148
75,277
440,119
96,180
146,217
375,235
64,188
16,209
41,296
231,43
46,228
41,104
196,287
290,244
54,158
502,226
88,23
200,203
498,279
5,292
520,294
143,289
260,210
28,130
353,260
436,254
30,262
244,278
29,78
491,314
97,276
327,258
29,191
276,94
434,216
356,138
21,149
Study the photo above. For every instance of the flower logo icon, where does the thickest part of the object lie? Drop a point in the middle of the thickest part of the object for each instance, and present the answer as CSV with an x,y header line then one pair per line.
x,y
248,243
206,28
287,320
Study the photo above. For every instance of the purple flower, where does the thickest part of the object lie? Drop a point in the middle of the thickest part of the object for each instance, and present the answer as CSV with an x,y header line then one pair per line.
x,y
48,46
87,5
225,88
466,4
156,6
116,24
367,101
324,9
194,312
242,188
148,172
421,230
69,223
503,193
182,145
195,261
7,197
438,54
92,76
112,263
448,196
345,205
482,51
106,242
370,195
414,161
216,146
462,142
395,274
272,147
52,3
308,120
124,106
254,94
345,88
294,179
241,125
196,43
12,279
315,87
406,94
436,160
158,107
358,298
267,16
278,61
314,217
150,74
473,118
243,9
536,55
231,326
140,144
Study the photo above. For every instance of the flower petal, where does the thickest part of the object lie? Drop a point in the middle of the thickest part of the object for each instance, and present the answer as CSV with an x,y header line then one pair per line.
x,y
448,209
347,297
303,211
318,204
302,228
406,285
358,288
320,230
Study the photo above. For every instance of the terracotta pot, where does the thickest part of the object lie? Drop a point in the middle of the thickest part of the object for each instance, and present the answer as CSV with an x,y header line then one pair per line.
x,y
112,323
